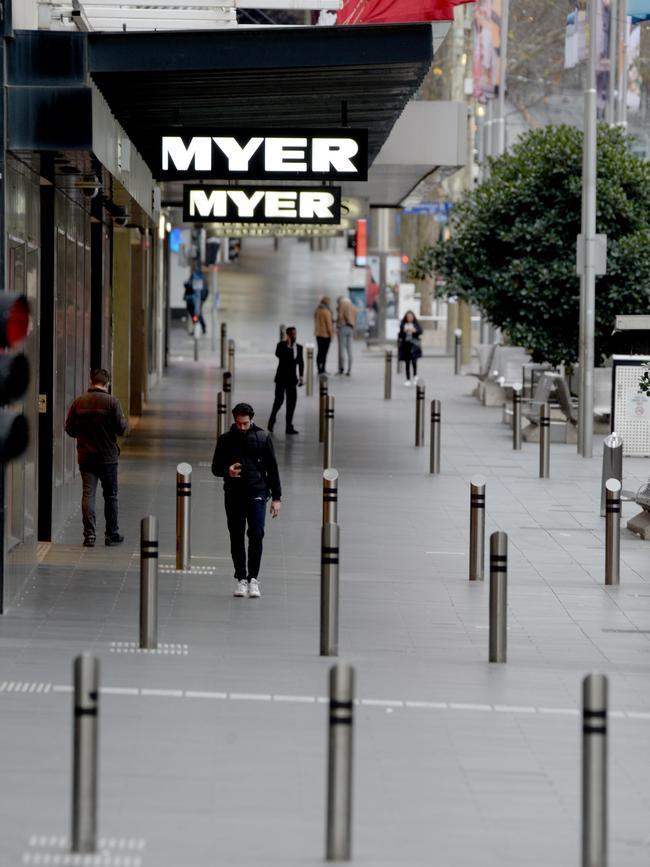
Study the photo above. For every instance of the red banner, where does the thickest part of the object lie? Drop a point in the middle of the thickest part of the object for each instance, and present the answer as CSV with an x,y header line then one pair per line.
x,y
396,11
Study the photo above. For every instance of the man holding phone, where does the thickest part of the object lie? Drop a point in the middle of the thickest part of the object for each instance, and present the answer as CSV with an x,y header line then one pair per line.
x,y
244,458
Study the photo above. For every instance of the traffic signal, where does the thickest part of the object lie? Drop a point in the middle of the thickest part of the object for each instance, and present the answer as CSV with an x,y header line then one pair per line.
x,y
14,374
234,246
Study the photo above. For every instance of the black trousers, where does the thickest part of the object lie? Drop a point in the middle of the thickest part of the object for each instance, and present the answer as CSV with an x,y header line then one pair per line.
x,y
291,391
91,474
240,512
321,354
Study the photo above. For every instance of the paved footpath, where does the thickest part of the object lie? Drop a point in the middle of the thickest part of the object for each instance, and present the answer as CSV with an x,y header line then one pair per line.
x,y
213,750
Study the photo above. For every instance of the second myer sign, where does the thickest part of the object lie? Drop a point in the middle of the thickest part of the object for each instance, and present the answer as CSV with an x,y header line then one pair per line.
x,y
261,205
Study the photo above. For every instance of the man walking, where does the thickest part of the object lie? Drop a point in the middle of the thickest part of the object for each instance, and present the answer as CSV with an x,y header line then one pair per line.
x,y
345,321
245,459
95,420
289,355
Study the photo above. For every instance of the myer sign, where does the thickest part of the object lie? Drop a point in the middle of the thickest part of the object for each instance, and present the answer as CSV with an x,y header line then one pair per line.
x,y
264,156
261,205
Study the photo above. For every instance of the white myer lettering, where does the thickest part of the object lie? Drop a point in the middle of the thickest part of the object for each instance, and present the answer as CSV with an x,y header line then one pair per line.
x,y
214,205
316,204
199,150
246,205
335,152
280,204
238,156
284,154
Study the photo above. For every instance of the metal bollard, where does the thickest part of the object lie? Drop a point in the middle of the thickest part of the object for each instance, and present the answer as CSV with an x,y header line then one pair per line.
x,y
339,764
498,597
149,583
594,771
330,496
516,418
329,590
322,400
196,343
328,448
224,334
419,415
613,532
183,513
458,350
231,363
388,374
544,441
309,371
283,332
398,367
434,454
85,753
477,529
222,414
226,380
612,464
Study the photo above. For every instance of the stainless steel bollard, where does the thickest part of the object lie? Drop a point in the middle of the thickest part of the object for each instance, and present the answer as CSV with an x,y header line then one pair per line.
x,y
498,597
183,513
594,771
544,441
458,350
434,454
339,764
388,374
329,590
224,345
398,367
419,415
227,393
322,400
328,447
330,496
196,344
222,414
149,583
85,753
309,371
612,464
613,532
477,529
231,363
516,418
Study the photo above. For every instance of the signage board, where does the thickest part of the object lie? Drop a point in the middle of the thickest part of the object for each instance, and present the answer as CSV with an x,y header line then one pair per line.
x,y
249,204
265,155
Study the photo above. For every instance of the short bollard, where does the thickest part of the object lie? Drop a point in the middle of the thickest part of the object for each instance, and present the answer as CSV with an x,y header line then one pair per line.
x,y
195,338
544,441
222,414
330,496
388,374
458,350
613,532
477,529
434,455
85,754
419,415
516,418
498,597
309,371
322,401
183,512
149,583
328,447
594,771
339,764
223,346
231,362
226,379
329,591
612,464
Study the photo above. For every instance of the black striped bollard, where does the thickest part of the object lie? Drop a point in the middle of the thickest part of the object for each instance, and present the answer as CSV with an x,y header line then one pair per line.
x,y
231,363
516,418
309,370
183,513
85,753
223,346
322,400
330,496
419,415
339,764
227,393
149,583
613,532
594,771
458,350
328,446
222,414
544,441
498,597
477,529
388,374
329,590
434,451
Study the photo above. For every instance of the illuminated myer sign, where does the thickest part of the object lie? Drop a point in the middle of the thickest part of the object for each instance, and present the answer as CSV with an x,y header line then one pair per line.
x,y
261,205
266,156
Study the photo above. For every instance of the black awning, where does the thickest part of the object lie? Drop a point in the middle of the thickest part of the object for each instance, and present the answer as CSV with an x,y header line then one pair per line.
x,y
242,77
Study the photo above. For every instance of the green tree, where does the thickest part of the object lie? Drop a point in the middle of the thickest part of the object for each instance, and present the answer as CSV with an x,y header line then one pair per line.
x,y
512,247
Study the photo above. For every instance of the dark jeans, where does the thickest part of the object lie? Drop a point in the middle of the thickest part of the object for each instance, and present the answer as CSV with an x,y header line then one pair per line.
x,y
239,512
292,396
409,362
321,355
107,475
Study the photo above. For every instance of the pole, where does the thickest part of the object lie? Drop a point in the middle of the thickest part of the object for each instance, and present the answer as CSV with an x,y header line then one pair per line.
x,y
214,279
195,339
594,771
610,110
149,583
613,532
419,415
434,453
458,350
223,348
339,764
309,371
183,513
388,374
85,753
544,441
330,495
500,120
329,590
222,416
623,75
477,529
612,464
231,363
516,418
498,597
226,380
328,449
322,400
398,367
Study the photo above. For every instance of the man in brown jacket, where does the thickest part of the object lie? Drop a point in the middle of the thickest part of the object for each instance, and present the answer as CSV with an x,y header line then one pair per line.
x,y
324,331
345,321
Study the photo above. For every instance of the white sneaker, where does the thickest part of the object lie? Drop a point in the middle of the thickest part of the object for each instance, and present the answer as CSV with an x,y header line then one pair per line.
x,y
407,382
242,589
254,589
415,380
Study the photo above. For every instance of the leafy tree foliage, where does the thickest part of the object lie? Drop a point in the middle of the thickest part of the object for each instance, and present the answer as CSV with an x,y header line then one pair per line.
x,y
512,249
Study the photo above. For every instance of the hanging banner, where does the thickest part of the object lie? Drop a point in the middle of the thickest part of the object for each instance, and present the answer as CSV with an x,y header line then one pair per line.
x,y
396,11
207,204
486,51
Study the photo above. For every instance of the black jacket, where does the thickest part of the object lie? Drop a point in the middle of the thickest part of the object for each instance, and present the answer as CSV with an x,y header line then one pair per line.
x,y
287,363
253,449
95,420
409,345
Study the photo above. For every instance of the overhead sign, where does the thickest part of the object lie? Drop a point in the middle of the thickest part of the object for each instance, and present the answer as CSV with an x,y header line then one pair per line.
x,y
207,204
269,155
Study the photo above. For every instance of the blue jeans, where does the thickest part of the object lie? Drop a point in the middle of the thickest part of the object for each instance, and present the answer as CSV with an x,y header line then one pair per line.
x,y
107,475
241,511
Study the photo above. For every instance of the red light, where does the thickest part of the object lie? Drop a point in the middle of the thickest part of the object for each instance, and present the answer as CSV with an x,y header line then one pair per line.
x,y
195,318
405,259
18,321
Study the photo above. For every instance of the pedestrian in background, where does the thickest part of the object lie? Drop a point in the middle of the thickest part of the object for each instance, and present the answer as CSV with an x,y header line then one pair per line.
x,y
95,420
290,359
196,292
409,345
323,331
346,317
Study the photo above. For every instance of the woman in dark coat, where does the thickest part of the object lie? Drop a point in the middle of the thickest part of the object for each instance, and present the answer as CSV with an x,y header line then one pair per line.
x,y
410,348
